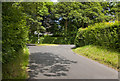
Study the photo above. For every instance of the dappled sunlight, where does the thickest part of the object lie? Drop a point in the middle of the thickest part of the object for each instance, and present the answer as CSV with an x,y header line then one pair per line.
x,y
48,65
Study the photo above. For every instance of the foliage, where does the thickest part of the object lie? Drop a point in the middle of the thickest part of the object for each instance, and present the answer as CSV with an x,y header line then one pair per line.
x,y
68,17
100,54
17,68
36,11
33,40
115,10
53,40
64,18
80,13
14,30
102,34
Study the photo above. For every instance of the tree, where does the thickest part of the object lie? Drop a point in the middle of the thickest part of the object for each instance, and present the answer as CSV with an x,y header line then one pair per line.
x,y
80,13
35,12
115,10
14,30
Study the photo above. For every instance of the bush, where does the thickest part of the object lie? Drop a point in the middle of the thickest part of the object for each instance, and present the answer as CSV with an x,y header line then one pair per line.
x,y
102,34
14,31
53,40
33,39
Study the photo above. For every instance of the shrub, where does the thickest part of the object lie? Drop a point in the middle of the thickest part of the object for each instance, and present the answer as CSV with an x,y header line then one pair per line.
x,y
53,40
14,31
103,34
33,39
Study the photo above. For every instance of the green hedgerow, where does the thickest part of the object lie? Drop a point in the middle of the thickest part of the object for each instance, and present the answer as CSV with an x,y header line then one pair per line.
x,y
102,34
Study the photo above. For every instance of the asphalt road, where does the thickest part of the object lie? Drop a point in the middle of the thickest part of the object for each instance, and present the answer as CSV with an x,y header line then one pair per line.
x,y
60,62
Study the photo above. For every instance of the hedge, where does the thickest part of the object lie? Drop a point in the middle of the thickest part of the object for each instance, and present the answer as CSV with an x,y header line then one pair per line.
x,y
14,31
103,34
53,40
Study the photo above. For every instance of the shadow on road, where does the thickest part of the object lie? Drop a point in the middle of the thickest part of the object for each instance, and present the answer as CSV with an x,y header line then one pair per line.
x,y
48,64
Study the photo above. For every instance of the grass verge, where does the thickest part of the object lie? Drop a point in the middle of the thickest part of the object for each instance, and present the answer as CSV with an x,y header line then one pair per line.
x,y
104,56
17,69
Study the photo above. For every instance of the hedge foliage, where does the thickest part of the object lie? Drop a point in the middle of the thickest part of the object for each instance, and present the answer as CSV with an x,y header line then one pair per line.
x,y
14,31
53,40
103,34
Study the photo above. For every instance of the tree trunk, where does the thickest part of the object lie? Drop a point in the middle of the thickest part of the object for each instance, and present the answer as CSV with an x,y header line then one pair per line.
x,y
66,26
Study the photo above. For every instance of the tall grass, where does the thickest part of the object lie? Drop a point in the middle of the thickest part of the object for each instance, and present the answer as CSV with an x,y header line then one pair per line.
x,y
100,54
17,68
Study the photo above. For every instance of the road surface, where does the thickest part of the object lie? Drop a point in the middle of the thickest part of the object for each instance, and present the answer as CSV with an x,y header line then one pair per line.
x,y
60,62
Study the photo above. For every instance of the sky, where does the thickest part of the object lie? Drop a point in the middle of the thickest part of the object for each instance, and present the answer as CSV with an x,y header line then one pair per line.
x,y
54,0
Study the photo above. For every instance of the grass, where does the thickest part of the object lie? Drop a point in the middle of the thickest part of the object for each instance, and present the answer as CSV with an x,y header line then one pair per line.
x,y
47,44
104,56
17,69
